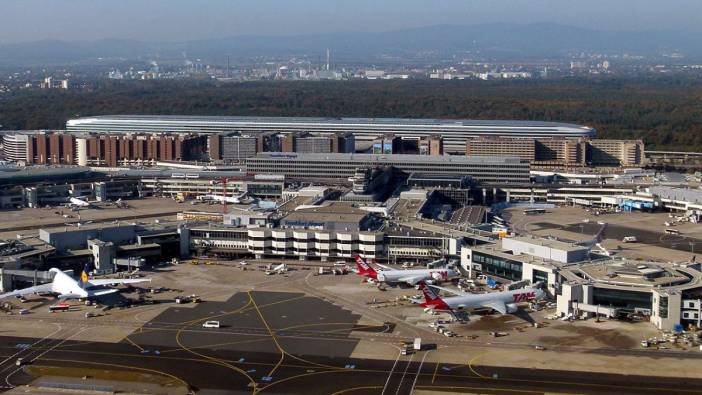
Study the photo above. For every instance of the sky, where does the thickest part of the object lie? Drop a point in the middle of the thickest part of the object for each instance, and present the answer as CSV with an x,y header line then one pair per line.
x,y
182,20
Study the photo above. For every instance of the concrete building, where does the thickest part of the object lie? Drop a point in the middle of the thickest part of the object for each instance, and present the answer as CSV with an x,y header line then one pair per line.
x,y
318,143
432,145
559,153
342,166
58,147
338,216
231,147
14,147
198,187
65,238
391,245
668,295
454,132
615,153
387,144
524,149
588,284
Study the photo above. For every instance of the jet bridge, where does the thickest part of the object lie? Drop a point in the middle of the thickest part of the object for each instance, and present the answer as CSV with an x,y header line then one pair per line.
x,y
8,277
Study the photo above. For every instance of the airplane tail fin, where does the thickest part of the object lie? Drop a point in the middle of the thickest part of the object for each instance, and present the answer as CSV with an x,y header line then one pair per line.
x,y
364,269
431,298
87,269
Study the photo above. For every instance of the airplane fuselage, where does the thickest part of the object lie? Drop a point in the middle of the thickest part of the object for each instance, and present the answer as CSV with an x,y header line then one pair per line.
x,y
397,276
476,301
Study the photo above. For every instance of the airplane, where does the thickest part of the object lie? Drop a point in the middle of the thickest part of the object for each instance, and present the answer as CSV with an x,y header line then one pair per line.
x,y
229,199
66,287
78,202
504,302
280,269
410,277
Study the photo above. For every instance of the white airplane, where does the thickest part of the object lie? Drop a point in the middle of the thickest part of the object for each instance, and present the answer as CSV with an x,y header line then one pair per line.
x,y
503,302
66,287
411,277
78,202
229,199
280,269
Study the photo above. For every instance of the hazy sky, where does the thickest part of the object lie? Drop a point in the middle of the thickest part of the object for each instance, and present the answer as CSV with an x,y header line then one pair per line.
x,y
25,20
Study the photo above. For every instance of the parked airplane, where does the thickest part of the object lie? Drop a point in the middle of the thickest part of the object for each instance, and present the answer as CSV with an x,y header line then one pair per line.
x,y
502,302
78,202
230,199
280,269
411,277
66,287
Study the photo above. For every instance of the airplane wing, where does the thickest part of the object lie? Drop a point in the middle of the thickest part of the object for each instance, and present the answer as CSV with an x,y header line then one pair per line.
x,y
497,306
103,292
452,291
44,288
116,281
384,267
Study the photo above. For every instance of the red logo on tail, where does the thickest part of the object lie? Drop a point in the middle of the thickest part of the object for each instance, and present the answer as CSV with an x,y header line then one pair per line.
x,y
431,298
364,269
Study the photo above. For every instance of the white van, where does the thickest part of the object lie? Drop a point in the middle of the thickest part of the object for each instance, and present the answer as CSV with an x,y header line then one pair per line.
x,y
211,324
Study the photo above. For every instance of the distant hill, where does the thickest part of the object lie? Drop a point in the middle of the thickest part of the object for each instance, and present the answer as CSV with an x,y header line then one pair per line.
x,y
500,41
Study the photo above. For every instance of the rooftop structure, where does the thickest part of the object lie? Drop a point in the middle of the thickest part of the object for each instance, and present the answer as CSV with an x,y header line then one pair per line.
x,y
334,216
454,132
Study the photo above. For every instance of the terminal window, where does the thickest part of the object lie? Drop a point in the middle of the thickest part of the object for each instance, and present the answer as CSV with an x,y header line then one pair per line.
x,y
663,307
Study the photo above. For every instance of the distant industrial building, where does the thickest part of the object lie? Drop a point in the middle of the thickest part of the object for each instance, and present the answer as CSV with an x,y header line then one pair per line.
x,y
454,132
343,166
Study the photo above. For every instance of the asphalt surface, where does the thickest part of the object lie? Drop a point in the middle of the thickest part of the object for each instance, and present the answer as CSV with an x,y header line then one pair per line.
x,y
290,343
618,232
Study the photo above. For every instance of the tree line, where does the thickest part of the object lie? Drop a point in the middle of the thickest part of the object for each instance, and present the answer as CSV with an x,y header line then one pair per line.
x,y
665,112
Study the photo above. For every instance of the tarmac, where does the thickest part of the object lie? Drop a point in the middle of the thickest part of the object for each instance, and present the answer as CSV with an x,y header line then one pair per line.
x,y
285,342
302,333
649,228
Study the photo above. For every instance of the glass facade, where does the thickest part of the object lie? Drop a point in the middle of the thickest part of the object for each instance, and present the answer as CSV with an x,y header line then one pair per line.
x,y
539,275
501,267
663,307
625,300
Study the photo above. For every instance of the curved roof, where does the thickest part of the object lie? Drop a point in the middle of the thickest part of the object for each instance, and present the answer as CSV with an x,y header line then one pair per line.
x,y
368,122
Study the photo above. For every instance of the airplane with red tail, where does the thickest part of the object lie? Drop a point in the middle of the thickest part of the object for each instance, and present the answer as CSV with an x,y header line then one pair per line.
x,y
410,276
503,302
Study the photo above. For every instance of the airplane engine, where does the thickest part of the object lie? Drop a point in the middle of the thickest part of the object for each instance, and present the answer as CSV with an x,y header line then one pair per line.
x,y
438,276
512,308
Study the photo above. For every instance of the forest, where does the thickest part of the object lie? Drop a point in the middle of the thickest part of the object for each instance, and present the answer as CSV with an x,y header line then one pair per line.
x,y
665,112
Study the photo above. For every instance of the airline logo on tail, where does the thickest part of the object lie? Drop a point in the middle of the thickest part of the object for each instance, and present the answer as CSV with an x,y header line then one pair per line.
x,y
431,298
84,275
364,269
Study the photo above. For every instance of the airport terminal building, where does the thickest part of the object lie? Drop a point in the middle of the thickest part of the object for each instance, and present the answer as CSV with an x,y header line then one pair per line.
x,y
455,132
484,169
585,284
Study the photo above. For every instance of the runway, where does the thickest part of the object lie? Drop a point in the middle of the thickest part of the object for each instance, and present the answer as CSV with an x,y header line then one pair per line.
x,y
288,343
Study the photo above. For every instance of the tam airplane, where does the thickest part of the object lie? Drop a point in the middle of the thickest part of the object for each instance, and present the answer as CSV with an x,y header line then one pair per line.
x,y
410,277
505,302
66,287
